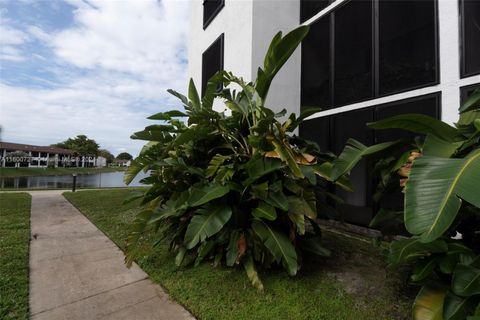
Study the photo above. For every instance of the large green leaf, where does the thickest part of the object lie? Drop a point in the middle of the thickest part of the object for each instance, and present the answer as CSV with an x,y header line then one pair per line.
x,y
252,273
434,190
265,211
193,95
206,193
286,153
277,199
215,163
406,250
181,97
257,168
354,152
180,256
278,53
436,147
325,171
298,205
468,118
418,123
428,304
305,113
207,222
466,280
203,251
423,269
278,244
458,308
135,167
173,207
190,134
151,134
167,115
213,85
385,216
232,249
309,173
472,103
299,220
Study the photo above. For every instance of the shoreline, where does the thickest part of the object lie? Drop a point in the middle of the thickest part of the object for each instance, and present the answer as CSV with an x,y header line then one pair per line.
x,y
35,172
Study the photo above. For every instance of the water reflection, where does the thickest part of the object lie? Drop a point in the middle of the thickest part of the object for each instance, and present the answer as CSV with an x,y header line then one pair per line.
x,y
95,180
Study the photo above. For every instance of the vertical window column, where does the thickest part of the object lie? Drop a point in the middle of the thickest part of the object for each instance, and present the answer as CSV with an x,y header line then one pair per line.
x,y
212,61
407,45
470,36
353,63
315,76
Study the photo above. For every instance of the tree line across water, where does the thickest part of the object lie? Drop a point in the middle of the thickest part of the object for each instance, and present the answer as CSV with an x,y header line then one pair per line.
x,y
84,146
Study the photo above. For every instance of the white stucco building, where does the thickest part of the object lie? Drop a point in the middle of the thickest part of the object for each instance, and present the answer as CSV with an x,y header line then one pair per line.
x,y
363,60
17,155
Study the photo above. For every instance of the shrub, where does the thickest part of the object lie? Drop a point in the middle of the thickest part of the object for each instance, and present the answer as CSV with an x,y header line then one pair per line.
x,y
238,189
441,176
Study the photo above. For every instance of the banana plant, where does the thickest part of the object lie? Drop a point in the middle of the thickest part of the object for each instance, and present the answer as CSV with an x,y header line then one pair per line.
x,y
440,176
237,189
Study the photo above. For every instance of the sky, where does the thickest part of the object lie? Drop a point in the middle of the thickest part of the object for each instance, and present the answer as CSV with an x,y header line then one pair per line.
x,y
89,67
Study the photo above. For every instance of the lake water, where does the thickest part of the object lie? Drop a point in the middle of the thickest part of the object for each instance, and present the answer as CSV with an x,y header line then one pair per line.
x,y
95,180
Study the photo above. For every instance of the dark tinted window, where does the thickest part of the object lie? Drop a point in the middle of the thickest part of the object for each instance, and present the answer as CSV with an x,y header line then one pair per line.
x,y
317,130
465,92
357,207
406,44
429,105
332,132
353,52
470,10
315,88
210,9
212,61
369,55
309,8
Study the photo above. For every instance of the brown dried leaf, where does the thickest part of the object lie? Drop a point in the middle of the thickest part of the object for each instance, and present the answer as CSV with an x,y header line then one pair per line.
x,y
242,247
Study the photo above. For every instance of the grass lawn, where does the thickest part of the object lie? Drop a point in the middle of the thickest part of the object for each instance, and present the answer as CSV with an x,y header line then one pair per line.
x,y
14,242
28,172
352,284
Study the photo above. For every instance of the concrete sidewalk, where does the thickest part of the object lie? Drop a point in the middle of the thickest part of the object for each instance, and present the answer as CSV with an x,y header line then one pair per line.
x,y
76,272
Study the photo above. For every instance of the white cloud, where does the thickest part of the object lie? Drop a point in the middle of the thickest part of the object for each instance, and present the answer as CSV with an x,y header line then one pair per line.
x,y
39,34
11,53
10,38
137,37
115,63
39,115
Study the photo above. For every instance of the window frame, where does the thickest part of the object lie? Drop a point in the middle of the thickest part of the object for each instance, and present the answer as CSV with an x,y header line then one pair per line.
x,y
212,16
462,60
369,185
375,55
302,20
333,104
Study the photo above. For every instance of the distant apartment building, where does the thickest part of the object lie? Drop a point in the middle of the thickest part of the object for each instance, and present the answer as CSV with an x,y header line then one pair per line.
x,y
31,156
362,61
121,163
